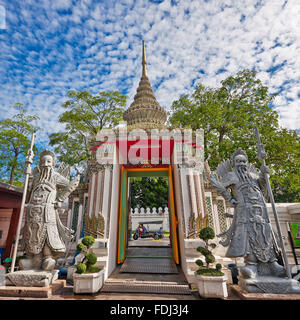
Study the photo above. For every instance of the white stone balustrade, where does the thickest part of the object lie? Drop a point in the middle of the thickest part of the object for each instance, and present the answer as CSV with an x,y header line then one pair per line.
x,y
148,215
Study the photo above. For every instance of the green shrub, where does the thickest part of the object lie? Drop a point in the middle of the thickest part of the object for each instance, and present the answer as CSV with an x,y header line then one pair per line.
x,y
93,269
218,266
209,258
88,241
210,272
81,247
206,234
81,268
91,258
203,251
87,265
199,262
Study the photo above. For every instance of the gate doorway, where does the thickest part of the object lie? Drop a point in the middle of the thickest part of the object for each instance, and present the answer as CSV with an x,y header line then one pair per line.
x,y
149,250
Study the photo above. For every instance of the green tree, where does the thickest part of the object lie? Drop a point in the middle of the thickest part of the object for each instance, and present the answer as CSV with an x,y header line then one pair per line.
x,y
228,114
85,115
15,139
149,192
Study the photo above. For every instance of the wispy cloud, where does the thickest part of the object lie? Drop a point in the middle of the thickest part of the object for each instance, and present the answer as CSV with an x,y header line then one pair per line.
x,y
50,47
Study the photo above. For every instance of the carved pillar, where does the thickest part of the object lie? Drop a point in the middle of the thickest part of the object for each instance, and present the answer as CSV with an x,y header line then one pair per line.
x,y
106,198
192,192
91,195
198,194
98,192
79,222
205,212
185,198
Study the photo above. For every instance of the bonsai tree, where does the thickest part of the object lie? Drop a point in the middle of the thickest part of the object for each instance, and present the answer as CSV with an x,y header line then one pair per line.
x,y
207,234
87,264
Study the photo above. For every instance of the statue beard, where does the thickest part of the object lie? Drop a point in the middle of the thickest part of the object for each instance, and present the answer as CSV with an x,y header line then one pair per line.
x,y
45,174
243,174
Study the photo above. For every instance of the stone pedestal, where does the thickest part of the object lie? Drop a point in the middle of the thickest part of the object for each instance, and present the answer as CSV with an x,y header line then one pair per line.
x,y
268,284
31,278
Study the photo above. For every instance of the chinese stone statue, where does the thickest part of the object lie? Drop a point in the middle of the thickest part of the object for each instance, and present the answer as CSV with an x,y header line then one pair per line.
x,y
250,234
44,233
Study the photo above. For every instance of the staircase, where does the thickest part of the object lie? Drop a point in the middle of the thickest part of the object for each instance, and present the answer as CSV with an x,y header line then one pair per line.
x,y
100,250
172,284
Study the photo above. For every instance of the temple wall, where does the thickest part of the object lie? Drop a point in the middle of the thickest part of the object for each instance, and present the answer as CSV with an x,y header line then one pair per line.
x,y
5,216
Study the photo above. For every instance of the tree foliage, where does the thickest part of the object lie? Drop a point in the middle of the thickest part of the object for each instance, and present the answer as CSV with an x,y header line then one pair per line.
x,y
149,192
228,114
15,140
85,115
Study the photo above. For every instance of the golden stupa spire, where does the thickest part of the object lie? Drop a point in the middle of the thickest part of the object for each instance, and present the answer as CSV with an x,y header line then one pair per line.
x,y
144,62
145,112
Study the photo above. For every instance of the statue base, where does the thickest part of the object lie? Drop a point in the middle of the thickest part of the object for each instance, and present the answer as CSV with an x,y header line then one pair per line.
x,y
268,284
31,278
32,292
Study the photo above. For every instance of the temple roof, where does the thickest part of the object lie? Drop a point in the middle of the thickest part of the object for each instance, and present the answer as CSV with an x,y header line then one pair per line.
x,y
145,112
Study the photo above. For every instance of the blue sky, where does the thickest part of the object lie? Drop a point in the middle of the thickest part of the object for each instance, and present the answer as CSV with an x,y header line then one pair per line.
x,y
49,47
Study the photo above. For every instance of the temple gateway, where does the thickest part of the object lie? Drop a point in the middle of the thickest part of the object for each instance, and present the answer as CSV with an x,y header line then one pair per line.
x,y
101,205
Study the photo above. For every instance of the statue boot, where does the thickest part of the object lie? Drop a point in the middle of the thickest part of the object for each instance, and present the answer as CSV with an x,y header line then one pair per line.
x,y
277,270
48,263
250,269
33,261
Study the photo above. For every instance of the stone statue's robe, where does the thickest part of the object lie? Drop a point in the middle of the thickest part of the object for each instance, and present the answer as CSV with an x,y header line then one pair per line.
x,y
42,222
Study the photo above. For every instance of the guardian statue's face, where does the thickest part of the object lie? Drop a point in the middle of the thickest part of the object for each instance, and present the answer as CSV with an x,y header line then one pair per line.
x,y
240,161
46,162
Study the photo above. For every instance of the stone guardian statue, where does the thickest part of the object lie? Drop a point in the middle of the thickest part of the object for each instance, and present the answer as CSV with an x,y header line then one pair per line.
x,y
250,234
43,233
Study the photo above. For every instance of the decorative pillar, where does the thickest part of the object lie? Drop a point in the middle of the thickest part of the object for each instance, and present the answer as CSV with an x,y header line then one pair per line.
x,y
112,240
185,198
98,192
198,194
192,192
106,199
91,195
79,222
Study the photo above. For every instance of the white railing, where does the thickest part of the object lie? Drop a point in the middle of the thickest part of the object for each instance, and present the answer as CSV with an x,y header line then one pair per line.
x,y
154,211
150,214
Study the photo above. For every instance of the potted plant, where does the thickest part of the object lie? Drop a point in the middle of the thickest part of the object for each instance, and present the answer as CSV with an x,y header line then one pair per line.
x,y
211,281
88,278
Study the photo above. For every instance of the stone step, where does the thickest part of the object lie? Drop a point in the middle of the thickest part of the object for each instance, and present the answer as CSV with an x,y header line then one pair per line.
x,y
99,251
100,243
101,262
132,287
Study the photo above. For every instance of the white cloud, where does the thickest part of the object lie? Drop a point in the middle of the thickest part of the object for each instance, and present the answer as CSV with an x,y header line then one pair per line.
x,y
97,46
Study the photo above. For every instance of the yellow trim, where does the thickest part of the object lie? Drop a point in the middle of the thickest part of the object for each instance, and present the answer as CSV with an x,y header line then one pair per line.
x,y
174,220
172,203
